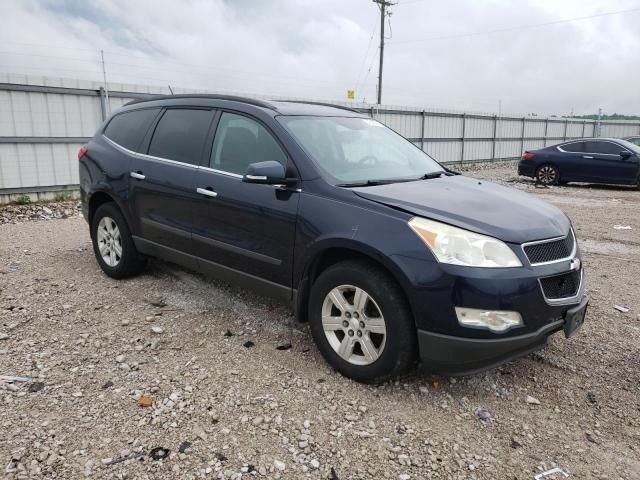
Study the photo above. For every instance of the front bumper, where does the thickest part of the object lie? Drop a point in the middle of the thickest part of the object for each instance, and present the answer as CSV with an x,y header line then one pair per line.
x,y
452,355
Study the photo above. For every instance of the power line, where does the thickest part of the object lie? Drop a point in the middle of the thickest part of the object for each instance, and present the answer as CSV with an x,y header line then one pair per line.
x,y
366,55
519,27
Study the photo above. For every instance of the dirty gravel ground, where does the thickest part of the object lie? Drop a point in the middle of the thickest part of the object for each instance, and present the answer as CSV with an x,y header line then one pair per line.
x,y
259,411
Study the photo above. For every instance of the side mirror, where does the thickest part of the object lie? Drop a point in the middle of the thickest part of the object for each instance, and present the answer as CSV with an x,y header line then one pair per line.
x,y
267,173
625,154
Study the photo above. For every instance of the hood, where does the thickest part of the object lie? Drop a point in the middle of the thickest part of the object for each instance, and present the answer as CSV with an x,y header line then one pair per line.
x,y
477,205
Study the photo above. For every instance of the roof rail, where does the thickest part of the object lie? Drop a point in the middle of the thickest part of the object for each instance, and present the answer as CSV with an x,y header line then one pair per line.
x,y
233,98
321,104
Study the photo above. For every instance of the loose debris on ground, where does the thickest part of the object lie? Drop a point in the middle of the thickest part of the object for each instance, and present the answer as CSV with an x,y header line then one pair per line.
x,y
93,349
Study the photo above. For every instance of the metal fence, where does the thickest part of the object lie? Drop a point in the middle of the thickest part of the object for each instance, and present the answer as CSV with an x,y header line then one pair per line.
x,y
44,121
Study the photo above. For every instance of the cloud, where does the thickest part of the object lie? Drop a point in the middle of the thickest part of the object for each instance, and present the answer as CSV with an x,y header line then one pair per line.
x,y
307,48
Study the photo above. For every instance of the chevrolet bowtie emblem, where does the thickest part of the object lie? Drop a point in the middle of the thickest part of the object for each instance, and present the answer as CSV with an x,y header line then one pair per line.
x,y
575,264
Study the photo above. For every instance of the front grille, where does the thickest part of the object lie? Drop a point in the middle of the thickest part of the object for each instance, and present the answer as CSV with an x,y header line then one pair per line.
x,y
550,251
561,286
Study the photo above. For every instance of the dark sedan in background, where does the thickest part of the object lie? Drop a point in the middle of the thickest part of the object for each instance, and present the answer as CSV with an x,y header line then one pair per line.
x,y
592,160
635,139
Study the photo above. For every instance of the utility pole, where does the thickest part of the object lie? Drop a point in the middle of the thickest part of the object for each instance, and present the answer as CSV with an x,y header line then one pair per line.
x,y
106,89
598,131
382,4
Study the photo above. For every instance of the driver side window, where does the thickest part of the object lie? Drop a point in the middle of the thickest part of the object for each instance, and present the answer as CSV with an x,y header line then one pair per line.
x,y
241,141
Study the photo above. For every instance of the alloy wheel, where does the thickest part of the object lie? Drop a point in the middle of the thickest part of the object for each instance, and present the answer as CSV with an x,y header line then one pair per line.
x,y
109,241
354,325
547,175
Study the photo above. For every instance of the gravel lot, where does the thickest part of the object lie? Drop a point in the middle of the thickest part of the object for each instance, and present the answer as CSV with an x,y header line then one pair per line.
x,y
227,403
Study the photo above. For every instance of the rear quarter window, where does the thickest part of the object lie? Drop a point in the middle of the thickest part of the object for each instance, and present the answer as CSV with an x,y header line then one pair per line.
x,y
128,129
573,147
181,134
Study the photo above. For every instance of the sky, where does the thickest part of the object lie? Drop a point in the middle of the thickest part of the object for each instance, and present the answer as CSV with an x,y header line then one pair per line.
x,y
458,54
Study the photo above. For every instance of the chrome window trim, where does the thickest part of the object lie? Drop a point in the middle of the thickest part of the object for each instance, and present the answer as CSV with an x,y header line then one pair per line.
x,y
624,149
196,167
148,157
549,240
221,172
117,145
567,300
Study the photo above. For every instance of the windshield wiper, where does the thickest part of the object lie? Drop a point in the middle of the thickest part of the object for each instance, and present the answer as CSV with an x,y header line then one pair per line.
x,y
366,183
428,176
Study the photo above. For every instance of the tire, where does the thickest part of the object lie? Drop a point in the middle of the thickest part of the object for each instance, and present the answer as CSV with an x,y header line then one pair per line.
x,y
110,231
548,175
375,356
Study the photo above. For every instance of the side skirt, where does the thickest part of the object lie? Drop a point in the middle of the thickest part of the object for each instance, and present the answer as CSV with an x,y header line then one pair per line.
x,y
215,270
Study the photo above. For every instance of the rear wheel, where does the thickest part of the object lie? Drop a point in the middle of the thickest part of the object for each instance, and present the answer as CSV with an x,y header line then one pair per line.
x,y
548,175
361,323
112,243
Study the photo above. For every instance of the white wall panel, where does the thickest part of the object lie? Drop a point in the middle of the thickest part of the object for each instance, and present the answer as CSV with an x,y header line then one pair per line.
x,y
31,164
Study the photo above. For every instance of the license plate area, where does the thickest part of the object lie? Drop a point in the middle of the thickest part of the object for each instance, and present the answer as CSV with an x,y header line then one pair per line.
x,y
574,318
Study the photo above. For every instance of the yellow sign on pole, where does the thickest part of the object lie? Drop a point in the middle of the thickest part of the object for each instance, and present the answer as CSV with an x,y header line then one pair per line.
x,y
351,94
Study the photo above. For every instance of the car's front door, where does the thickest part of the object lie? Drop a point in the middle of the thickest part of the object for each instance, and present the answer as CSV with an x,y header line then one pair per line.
x,y
608,164
161,178
244,231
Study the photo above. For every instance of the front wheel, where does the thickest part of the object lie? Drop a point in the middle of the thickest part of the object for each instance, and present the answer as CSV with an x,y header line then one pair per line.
x,y
548,175
361,322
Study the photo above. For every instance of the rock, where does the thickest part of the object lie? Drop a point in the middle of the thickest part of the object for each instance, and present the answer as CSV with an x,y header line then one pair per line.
x,y
145,401
484,415
157,329
125,322
257,421
248,344
532,400
184,446
592,397
108,384
515,443
315,464
48,211
228,333
36,387
220,456
120,359
279,465
4,336
404,476
284,345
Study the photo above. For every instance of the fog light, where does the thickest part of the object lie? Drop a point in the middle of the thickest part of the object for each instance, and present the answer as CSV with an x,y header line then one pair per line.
x,y
494,320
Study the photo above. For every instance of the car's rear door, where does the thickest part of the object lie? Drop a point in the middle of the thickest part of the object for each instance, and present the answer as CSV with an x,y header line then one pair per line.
x,y
244,231
161,178
608,164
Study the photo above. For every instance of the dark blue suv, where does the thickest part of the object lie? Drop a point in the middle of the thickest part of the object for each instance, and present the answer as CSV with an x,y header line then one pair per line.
x,y
389,256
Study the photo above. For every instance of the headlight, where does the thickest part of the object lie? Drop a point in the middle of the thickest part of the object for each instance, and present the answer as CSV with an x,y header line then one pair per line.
x,y
460,247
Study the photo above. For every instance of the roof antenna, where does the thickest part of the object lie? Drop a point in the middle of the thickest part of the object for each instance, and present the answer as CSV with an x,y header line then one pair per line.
x,y
170,90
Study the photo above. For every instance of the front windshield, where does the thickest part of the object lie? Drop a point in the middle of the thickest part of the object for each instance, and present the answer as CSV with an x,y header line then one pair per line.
x,y
358,150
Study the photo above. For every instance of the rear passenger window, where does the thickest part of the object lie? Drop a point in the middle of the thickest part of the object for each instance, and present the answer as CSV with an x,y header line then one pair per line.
x,y
129,128
603,148
240,142
181,135
573,147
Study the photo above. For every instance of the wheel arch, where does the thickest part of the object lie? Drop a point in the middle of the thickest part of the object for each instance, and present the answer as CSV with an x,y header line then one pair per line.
x,y
334,252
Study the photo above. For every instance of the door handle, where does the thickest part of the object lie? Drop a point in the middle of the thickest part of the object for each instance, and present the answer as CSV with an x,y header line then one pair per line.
x,y
207,192
137,175
586,156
